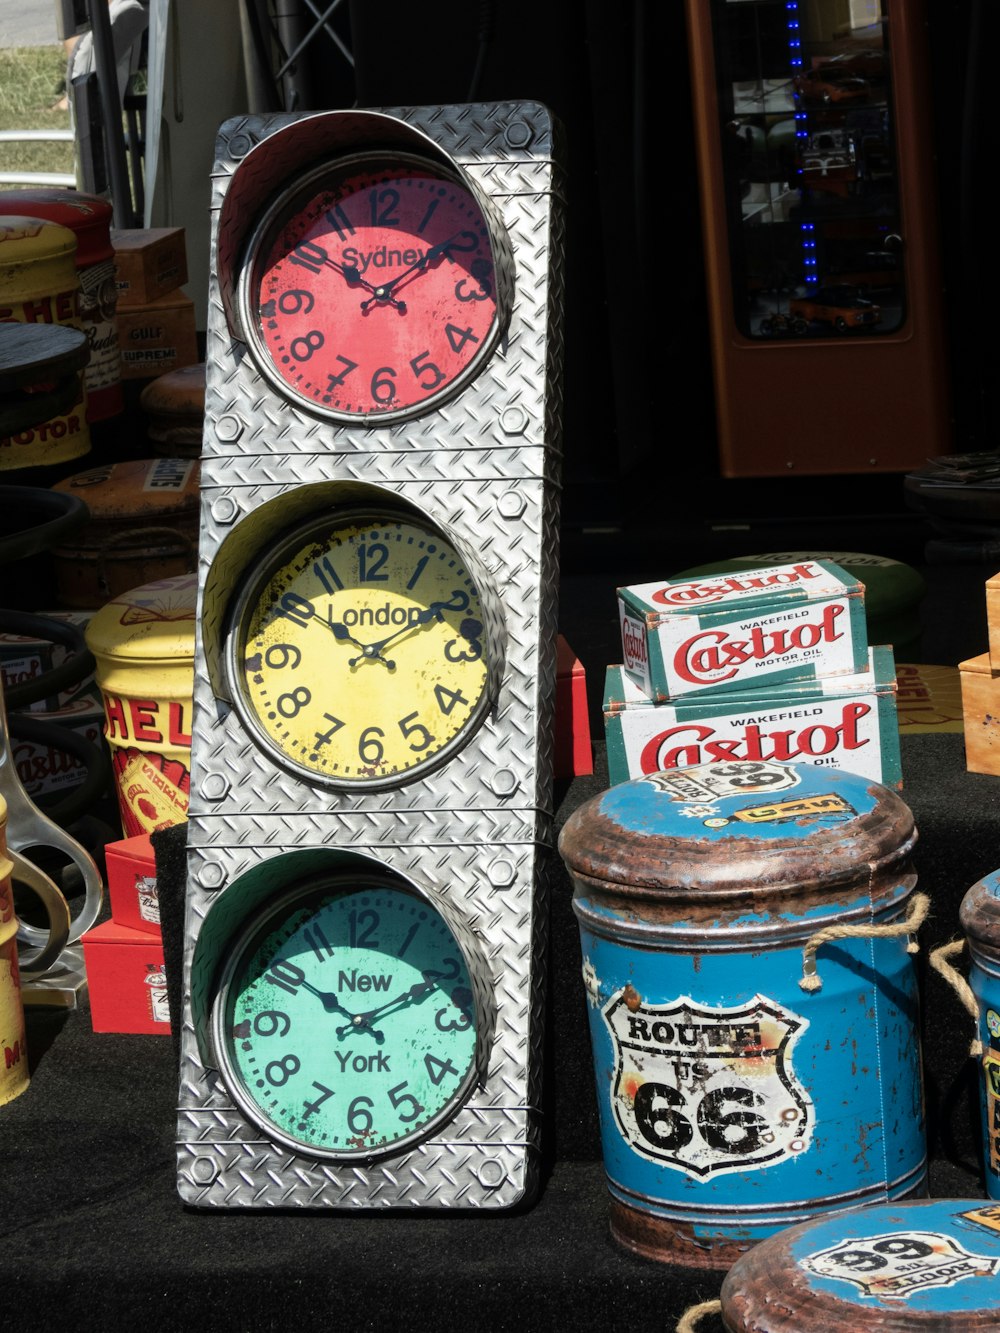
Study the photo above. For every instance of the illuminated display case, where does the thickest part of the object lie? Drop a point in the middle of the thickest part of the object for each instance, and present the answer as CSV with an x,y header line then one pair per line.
x,y
821,253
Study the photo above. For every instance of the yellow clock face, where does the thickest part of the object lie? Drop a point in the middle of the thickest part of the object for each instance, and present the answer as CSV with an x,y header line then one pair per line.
x,y
359,650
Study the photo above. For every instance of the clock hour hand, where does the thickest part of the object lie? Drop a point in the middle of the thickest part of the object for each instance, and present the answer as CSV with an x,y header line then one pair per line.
x,y
352,274
331,1003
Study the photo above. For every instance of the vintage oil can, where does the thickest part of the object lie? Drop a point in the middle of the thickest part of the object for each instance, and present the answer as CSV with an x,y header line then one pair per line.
x,y
745,930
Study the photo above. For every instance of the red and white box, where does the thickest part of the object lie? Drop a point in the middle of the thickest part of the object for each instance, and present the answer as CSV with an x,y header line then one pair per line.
x,y
131,871
740,631
846,722
126,980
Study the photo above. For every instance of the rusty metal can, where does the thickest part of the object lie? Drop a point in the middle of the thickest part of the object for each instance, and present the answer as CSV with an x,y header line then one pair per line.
x,y
13,1055
174,406
143,526
143,644
895,1268
753,1005
89,218
39,285
979,916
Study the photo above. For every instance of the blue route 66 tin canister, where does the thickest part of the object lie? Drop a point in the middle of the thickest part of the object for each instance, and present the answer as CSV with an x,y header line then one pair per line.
x,y
979,916
746,932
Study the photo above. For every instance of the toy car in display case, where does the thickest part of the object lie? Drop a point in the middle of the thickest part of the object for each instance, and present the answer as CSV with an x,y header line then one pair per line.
x,y
829,85
841,306
779,325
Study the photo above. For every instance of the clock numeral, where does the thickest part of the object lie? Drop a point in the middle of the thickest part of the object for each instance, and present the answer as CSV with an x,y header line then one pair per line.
x,y
464,241
370,747
400,1098
272,1023
411,935
309,255
452,974
335,381
445,1023
447,699
370,561
311,1108
286,975
459,337
418,569
383,386
303,348
317,941
422,365
438,1068
297,300
281,655
388,199
427,216
472,651
340,222
325,737
287,1067
359,1116
296,608
483,294
327,575
292,703
362,927
410,728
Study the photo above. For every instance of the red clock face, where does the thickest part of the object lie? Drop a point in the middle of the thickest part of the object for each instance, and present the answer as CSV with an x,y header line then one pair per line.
x,y
374,292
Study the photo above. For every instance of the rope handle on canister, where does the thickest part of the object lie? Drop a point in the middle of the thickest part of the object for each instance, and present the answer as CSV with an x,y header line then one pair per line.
x,y
692,1317
940,959
914,919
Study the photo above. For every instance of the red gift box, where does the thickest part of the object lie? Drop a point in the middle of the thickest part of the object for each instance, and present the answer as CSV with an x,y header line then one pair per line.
x,y
131,871
126,980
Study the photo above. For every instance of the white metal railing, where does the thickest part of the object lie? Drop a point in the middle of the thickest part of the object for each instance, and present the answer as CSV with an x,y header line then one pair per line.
x,y
66,179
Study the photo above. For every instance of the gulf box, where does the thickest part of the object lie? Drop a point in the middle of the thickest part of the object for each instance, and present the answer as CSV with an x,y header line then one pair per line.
x,y
149,262
158,336
846,722
736,631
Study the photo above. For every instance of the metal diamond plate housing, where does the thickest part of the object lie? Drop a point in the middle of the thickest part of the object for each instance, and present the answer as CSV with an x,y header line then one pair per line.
x,y
484,467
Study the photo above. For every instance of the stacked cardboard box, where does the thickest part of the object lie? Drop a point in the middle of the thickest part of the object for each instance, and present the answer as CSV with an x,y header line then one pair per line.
x,y
980,680
124,956
767,665
156,324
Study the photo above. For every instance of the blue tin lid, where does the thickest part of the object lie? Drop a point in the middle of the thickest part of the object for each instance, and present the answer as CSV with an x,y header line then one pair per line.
x,y
979,913
742,826
895,1267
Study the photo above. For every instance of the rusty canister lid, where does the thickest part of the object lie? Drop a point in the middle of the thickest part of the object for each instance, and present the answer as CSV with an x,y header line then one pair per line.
x,y
895,1267
174,405
736,832
979,913
130,494
149,625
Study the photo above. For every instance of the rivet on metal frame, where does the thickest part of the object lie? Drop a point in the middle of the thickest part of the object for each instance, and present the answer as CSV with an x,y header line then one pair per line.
x,y
211,875
503,782
229,428
518,134
224,509
502,874
215,786
204,1170
511,504
492,1173
513,421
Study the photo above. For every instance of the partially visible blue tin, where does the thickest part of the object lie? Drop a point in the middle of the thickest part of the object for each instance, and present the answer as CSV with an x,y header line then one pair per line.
x,y
897,1268
980,919
738,1094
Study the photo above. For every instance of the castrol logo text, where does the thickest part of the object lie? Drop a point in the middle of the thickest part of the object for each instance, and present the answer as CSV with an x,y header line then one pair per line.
x,y
634,645
702,592
716,655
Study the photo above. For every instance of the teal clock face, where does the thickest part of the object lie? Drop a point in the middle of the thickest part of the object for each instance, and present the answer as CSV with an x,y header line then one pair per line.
x,y
345,1023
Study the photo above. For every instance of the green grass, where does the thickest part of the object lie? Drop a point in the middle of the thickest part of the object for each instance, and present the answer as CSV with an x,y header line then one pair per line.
x,y
31,82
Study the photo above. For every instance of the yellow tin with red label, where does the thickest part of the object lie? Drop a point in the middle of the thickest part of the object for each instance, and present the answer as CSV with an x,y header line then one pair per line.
x,y
39,284
13,1057
143,644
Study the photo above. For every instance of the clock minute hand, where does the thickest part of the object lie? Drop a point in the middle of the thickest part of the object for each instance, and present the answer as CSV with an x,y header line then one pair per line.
x,y
383,292
418,991
458,601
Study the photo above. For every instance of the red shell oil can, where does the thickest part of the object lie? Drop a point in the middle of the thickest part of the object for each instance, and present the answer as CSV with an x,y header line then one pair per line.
x,y
143,645
746,934
89,218
39,285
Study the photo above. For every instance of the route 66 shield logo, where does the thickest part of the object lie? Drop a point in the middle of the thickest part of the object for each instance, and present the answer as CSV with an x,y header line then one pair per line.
x,y
708,1089
894,1264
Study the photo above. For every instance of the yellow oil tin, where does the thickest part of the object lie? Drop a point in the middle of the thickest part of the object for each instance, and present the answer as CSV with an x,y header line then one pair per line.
x,y
13,1056
143,526
39,284
143,644
89,218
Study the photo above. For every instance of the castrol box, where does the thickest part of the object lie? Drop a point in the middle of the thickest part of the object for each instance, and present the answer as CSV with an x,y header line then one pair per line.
x,y
846,722
737,631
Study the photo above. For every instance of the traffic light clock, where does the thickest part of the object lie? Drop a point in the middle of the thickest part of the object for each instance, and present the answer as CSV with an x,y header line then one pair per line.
x,y
370,816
